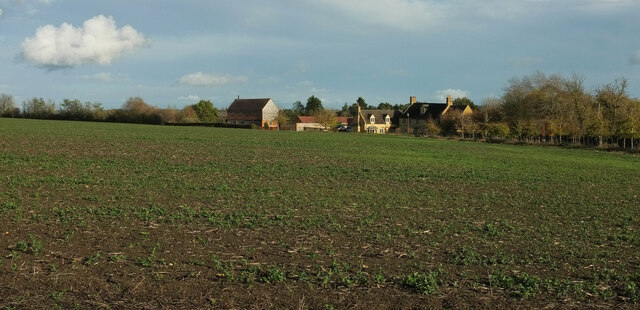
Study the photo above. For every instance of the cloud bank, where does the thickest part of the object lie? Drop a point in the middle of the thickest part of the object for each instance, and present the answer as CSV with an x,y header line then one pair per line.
x,y
98,41
204,79
423,15
399,14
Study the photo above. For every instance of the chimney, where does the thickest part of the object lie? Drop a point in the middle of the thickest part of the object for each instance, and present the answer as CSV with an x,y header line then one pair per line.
x,y
449,101
412,100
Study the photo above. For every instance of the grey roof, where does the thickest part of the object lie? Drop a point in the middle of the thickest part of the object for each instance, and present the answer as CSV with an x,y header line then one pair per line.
x,y
434,110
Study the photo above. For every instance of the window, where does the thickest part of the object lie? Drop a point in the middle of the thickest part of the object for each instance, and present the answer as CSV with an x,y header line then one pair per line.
x,y
381,130
387,119
372,120
413,122
424,108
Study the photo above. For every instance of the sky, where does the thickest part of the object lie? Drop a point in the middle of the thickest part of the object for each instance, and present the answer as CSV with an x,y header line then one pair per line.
x,y
175,53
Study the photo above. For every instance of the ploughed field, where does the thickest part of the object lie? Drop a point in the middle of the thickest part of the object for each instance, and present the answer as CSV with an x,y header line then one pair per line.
x,y
101,215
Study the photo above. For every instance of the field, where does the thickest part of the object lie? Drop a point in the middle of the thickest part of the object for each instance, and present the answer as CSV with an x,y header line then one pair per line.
x,y
100,215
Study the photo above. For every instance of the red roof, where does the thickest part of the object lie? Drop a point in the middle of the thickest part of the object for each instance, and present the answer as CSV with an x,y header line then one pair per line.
x,y
306,119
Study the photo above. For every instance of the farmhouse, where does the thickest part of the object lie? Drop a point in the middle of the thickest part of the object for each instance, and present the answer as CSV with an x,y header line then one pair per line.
x,y
417,114
309,123
260,112
376,121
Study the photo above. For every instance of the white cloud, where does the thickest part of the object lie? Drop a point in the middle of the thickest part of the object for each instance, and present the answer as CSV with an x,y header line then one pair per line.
x,y
98,41
190,98
107,77
204,79
454,93
635,58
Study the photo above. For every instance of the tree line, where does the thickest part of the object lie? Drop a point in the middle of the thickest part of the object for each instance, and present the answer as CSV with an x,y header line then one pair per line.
x,y
535,108
134,110
555,109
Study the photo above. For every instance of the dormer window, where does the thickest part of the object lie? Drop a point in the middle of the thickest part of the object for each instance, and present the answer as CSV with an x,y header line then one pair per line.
x,y
424,108
372,119
387,119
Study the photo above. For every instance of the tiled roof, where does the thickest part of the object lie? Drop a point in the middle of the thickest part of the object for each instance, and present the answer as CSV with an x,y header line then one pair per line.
x,y
344,119
248,104
379,115
306,119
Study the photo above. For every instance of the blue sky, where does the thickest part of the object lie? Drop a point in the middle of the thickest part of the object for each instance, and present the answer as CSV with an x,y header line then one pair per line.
x,y
177,52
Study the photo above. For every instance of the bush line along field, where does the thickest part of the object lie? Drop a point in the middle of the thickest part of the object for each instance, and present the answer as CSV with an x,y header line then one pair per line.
x,y
138,216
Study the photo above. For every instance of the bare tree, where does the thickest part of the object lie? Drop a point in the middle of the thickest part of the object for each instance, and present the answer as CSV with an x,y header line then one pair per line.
x,y
490,111
579,104
610,98
38,108
7,106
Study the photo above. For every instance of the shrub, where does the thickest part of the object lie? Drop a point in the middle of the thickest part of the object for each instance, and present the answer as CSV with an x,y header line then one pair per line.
x,y
33,246
422,283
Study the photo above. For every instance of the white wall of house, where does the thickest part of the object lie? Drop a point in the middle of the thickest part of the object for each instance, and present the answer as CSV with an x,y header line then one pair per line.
x,y
270,111
302,126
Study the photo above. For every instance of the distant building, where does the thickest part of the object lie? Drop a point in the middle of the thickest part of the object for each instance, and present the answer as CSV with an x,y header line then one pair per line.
x,y
376,121
260,112
417,114
309,123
